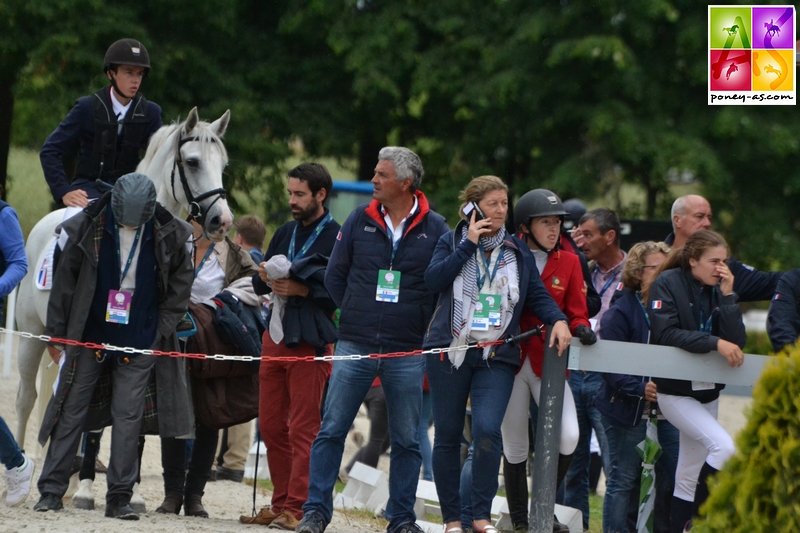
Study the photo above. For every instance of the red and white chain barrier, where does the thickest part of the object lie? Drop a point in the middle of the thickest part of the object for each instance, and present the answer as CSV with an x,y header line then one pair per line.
x,y
223,357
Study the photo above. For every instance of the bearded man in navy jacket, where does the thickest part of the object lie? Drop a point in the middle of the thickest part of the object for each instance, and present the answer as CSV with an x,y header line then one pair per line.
x,y
376,277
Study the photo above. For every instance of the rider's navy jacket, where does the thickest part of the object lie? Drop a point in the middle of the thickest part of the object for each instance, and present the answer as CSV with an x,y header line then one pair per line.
x,y
624,321
750,284
676,304
362,249
783,320
79,129
452,253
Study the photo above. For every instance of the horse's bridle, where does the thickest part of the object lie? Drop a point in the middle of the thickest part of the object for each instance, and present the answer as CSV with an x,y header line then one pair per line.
x,y
196,211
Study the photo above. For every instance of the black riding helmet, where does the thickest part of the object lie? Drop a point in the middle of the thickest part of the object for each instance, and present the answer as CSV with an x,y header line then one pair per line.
x,y
127,52
575,210
537,203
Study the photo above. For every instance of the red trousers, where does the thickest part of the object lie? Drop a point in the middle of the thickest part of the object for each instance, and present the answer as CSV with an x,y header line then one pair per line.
x,y
289,419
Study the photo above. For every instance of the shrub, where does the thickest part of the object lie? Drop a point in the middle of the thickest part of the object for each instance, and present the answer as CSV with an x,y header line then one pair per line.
x,y
758,490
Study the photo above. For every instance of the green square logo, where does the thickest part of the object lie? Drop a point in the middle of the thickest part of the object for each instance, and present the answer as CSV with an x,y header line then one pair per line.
x,y
730,27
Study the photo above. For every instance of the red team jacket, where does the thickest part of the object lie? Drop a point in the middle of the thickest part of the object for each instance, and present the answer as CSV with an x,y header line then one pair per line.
x,y
563,279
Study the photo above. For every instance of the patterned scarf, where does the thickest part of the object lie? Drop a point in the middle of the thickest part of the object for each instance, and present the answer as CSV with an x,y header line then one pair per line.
x,y
465,290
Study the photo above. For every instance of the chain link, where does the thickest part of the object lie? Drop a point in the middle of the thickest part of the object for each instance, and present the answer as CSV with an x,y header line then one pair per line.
x,y
243,358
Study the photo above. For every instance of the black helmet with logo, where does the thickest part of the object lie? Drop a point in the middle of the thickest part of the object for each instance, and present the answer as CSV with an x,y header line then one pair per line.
x,y
537,203
127,52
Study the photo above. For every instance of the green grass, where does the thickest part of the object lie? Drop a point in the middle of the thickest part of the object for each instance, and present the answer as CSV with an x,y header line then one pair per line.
x,y
595,508
28,192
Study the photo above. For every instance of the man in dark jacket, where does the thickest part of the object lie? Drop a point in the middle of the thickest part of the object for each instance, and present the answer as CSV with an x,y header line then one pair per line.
x,y
376,277
692,213
783,319
291,391
110,128
125,279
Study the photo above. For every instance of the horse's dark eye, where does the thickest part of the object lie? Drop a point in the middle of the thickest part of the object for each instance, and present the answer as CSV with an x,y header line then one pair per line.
x,y
193,162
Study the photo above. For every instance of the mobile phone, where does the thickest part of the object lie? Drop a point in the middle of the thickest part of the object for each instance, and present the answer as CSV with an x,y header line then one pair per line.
x,y
469,208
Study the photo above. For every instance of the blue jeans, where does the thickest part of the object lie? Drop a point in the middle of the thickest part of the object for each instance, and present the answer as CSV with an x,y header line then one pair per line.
x,y
488,385
584,387
424,440
10,454
622,476
401,378
465,491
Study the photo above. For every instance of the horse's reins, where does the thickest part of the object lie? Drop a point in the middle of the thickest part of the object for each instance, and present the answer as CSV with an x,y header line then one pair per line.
x,y
196,211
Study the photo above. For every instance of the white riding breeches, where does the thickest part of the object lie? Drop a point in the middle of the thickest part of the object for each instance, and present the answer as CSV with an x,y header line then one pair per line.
x,y
515,422
702,440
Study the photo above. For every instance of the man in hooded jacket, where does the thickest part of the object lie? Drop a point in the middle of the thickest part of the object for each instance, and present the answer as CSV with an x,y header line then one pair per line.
x,y
124,279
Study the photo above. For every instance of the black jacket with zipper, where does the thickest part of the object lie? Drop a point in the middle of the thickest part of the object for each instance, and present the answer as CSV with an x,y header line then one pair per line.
x,y
674,304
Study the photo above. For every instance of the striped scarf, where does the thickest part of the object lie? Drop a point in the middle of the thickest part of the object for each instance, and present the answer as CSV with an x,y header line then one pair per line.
x,y
465,292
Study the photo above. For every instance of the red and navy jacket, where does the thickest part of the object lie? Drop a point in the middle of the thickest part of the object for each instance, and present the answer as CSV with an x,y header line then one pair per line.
x,y
563,279
363,248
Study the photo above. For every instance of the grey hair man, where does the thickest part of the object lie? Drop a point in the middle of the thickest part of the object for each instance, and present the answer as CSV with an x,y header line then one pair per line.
x,y
376,276
692,213
600,237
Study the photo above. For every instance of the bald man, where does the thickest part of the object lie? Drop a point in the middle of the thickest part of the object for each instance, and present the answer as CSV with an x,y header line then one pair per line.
x,y
692,213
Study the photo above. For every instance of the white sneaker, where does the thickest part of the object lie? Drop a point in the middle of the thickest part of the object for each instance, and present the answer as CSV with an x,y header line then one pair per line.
x,y
84,497
18,482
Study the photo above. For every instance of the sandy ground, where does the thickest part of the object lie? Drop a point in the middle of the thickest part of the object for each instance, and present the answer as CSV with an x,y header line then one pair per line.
x,y
224,500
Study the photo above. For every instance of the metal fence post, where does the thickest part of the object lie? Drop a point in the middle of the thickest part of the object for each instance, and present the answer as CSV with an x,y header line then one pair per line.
x,y
548,436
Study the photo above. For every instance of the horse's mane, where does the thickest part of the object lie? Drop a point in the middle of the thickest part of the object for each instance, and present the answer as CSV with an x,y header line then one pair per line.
x,y
165,134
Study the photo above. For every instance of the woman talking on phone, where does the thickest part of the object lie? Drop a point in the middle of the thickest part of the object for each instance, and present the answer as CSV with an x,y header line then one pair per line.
x,y
692,306
484,277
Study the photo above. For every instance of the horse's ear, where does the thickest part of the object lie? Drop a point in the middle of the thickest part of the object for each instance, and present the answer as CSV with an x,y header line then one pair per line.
x,y
221,124
191,121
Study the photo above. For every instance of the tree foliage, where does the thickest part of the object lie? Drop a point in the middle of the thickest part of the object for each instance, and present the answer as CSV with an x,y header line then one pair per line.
x,y
758,490
581,97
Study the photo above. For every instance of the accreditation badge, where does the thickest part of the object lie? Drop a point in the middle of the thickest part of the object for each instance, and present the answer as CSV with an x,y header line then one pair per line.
x,y
388,286
118,309
487,312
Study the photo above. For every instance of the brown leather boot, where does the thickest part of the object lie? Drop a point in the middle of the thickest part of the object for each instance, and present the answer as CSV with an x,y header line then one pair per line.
x,y
264,517
193,506
170,505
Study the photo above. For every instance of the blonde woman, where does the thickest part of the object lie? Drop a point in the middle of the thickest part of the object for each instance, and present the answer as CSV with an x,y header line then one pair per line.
x,y
484,277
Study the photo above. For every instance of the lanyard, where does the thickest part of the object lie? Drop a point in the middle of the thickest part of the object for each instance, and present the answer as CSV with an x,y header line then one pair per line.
x,y
608,283
644,310
130,254
705,325
311,239
395,245
486,265
205,258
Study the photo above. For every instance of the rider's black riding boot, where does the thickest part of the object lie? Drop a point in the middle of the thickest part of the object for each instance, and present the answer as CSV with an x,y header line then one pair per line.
x,y
516,481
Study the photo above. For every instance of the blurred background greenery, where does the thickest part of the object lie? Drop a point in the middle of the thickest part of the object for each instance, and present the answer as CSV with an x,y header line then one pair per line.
x,y
602,100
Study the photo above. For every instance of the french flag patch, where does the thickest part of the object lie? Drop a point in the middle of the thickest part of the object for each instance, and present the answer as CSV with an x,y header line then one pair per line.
x,y
619,286
777,296
656,304
339,236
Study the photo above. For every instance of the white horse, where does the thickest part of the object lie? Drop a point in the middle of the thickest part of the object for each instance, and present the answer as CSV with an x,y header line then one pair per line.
x,y
185,162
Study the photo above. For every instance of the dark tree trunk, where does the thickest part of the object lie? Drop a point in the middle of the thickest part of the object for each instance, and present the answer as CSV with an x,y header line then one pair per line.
x,y
652,193
6,116
368,149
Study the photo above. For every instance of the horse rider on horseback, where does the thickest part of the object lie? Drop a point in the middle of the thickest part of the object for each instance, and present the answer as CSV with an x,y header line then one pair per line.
x,y
110,128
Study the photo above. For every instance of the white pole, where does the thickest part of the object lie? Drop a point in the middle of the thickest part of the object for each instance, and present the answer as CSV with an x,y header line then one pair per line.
x,y
10,319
